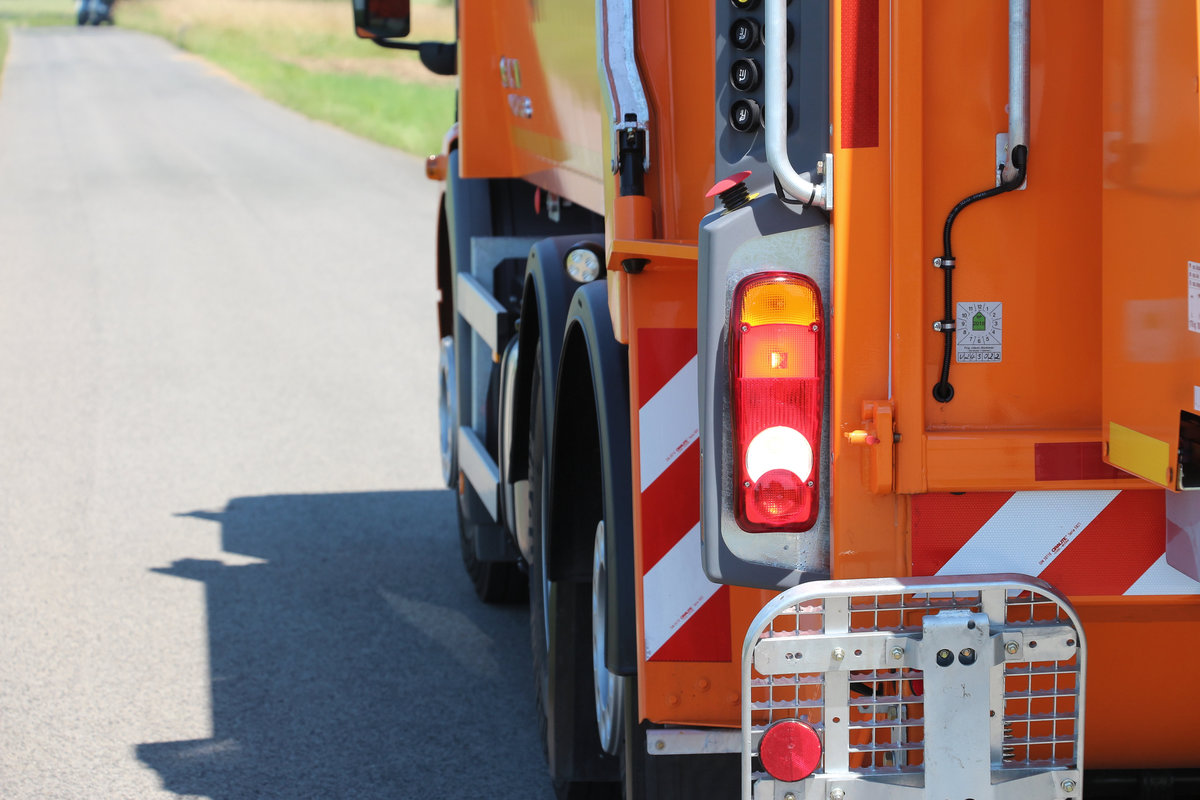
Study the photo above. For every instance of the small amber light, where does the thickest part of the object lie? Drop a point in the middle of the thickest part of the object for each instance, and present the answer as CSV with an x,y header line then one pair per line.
x,y
780,302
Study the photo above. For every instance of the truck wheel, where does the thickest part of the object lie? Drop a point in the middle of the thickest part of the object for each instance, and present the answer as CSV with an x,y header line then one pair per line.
x,y
495,582
609,688
447,411
560,627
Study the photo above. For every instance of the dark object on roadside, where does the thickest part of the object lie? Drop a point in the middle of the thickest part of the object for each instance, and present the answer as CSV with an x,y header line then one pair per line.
x,y
94,12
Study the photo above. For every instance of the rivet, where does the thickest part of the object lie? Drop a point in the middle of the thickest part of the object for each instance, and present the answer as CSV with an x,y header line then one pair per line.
x,y
703,684
659,744
673,699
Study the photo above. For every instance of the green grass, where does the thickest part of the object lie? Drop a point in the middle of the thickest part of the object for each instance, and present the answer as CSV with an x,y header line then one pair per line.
x,y
19,13
324,73
299,53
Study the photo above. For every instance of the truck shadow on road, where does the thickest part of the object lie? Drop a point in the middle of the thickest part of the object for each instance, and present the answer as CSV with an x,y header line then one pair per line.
x,y
349,658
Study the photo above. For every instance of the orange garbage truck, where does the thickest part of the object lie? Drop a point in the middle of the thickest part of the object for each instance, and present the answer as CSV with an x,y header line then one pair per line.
x,y
827,374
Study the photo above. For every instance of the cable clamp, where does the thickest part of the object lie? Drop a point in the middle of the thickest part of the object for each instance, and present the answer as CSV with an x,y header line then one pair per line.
x,y
944,263
945,326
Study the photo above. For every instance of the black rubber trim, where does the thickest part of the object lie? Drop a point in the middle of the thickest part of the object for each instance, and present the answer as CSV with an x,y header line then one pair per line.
x,y
547,297
589,331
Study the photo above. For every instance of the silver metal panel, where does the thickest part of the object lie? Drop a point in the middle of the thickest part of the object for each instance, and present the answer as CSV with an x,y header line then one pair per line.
x,y
481,311
999,716
691,741
624,95
480,470
957,701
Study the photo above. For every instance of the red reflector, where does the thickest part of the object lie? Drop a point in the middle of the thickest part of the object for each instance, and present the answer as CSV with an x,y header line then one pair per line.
x,y
777,399
790,750
779,493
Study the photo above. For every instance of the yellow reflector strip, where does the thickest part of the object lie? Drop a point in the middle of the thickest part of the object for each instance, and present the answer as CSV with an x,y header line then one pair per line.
x,y
779,302
1138,453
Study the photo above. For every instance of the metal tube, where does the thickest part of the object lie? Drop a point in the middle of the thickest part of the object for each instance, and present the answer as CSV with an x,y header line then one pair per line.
x,y
775,100
1018,81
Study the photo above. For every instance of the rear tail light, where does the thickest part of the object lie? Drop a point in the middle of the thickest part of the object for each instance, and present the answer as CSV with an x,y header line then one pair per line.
x,y
777,365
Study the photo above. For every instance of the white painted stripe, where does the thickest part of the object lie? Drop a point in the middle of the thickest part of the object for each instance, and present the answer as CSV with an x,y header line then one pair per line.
x,y
1162,578
1028,532
669,423
673,590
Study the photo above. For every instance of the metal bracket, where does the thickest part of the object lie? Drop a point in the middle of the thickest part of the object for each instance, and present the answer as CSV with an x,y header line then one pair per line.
x,y
624,94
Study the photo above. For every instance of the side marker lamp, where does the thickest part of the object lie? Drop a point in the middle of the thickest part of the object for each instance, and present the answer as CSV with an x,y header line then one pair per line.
x,y
583,263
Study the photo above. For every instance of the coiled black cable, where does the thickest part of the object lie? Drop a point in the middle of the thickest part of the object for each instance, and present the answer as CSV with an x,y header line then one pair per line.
x,y
943,390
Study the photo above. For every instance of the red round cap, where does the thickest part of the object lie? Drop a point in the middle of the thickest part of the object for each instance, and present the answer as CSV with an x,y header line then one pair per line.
x,y
728,183
790,750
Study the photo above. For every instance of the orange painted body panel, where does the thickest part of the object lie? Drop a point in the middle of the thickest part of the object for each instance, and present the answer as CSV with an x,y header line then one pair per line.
x,y
537,116
1039,252
1151,216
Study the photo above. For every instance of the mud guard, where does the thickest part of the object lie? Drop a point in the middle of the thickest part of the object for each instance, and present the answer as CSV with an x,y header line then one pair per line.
x,y
544,306
594,362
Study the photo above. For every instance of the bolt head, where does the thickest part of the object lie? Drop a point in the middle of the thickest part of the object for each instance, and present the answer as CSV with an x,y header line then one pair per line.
x,y
837,794
1068,785
1011,648
789,796
659,744
838,655
897,653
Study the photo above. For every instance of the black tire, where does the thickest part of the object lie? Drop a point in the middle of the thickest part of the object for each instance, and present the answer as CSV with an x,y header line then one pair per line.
x,y
495,582
560,633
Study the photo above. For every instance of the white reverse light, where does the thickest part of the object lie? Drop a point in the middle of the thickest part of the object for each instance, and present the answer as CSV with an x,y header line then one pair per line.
x,y
779,448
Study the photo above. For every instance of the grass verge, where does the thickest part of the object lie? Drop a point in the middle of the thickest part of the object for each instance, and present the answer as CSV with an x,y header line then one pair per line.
x,y
303,54
20,13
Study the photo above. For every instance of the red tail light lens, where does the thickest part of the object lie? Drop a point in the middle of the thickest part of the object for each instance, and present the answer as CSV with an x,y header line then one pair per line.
x,y
777,381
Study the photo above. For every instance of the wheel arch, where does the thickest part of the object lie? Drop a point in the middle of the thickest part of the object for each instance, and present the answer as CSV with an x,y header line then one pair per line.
x,y
591,441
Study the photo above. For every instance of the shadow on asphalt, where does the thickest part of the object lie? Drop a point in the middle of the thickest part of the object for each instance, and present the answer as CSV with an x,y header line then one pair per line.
x,y
354,661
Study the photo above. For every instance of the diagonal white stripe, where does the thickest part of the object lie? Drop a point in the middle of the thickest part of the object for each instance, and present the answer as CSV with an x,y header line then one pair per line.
x,y
1162,578
1028,532
674,589
669,423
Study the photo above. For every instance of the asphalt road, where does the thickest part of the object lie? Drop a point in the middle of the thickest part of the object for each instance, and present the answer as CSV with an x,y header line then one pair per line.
x,y
227,569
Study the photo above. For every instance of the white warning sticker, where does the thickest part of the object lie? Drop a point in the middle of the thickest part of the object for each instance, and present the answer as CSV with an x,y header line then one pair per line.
x,y
1194,296
979,332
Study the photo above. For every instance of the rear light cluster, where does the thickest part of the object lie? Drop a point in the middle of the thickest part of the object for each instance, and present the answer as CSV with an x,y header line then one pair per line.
x,y
777,365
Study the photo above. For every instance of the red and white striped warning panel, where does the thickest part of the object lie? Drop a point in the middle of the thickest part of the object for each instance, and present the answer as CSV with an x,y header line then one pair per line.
x,y
686,615
1081,542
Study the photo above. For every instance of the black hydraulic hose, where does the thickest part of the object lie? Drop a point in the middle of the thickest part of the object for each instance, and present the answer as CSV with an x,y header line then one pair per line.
x,y
943,390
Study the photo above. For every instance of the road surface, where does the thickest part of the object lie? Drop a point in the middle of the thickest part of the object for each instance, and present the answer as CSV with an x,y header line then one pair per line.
x,y
227,569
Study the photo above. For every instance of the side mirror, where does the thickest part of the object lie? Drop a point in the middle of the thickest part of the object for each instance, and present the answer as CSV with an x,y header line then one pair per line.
x,y
381,19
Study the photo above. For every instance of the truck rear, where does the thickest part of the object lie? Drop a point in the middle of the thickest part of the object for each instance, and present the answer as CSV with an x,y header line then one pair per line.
x,y
827,374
